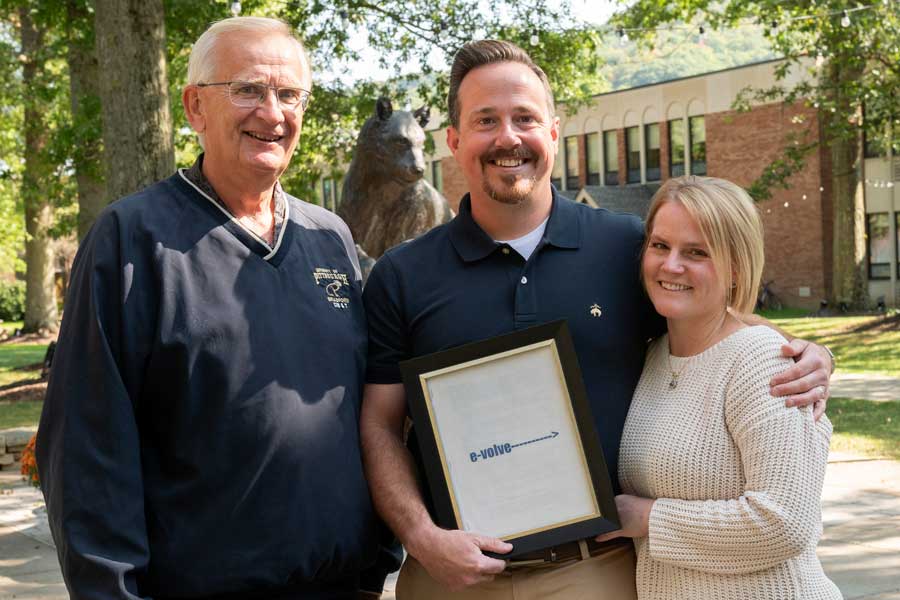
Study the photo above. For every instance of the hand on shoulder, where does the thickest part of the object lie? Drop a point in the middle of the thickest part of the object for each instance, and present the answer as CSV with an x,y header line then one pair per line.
x,y
806,382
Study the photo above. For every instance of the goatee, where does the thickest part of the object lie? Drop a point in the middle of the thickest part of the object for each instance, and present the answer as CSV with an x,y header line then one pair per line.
x,y
515,191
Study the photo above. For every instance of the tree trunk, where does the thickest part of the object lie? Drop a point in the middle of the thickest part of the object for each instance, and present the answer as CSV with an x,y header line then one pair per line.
x,y
849,276
40,298
137,126
84,97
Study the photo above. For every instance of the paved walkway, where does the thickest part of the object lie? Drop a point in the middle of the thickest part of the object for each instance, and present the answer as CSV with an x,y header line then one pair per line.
x,y
28,566
860,549
865,386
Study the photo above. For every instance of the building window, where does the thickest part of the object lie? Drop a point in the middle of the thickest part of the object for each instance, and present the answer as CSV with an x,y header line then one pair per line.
x,y
877,141
328,194
633,154
572,163
697,127
437,176
897,233
873,146
879,245
592,158
676,147
558,169
651,143
611,158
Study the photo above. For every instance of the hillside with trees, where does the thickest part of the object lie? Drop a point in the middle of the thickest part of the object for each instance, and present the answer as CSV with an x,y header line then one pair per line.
x,y
681,53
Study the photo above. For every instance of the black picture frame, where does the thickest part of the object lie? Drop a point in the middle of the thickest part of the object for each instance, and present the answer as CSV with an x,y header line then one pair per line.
x,y
550,342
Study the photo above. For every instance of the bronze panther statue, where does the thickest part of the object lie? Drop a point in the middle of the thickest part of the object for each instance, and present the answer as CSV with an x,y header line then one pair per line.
x,y
385,199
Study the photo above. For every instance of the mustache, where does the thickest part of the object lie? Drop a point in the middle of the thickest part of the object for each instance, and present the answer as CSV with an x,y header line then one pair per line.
x,y
518,153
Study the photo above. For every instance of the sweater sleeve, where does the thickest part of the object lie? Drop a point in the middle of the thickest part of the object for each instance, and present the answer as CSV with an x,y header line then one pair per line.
x,y
88,445
783,456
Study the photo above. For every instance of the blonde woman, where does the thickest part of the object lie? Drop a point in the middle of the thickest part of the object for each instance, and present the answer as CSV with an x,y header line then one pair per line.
x,y
721,481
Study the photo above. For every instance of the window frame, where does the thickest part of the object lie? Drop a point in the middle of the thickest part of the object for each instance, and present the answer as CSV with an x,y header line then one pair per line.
x,y
690,127
673,171
610,177
572,178
632,175
437,175
652,174
869,254
897,245
593,177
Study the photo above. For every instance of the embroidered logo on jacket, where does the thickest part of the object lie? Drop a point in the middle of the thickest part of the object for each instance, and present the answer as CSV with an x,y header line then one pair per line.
x,y
335,284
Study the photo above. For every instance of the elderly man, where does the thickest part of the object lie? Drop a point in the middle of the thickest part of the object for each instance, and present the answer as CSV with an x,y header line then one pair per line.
x,y
200,433
517,254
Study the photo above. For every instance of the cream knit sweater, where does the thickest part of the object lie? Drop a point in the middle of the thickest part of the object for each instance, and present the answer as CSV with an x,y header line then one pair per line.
x,y
737,476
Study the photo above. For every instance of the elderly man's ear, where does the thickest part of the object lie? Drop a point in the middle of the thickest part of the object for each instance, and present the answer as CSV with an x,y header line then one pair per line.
x,y
190,99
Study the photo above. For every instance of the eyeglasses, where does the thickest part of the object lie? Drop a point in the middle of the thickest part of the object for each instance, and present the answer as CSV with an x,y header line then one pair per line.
x,y
247,94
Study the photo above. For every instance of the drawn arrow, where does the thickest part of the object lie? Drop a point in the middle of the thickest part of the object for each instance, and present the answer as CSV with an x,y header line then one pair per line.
x,y
553,434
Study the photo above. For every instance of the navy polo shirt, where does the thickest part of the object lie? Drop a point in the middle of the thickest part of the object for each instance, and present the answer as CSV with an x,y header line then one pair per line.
x,y
456,285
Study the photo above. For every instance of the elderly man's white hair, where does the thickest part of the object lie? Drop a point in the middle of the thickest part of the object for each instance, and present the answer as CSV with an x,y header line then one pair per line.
x,y
202,64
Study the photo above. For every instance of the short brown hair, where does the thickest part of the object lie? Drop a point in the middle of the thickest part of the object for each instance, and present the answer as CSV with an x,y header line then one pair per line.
x,y
731,227
486,52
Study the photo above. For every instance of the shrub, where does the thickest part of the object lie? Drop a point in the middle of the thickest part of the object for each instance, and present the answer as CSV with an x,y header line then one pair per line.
x,y
29,463
12,300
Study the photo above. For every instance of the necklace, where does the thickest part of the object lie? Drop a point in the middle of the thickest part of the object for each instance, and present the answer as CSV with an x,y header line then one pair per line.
x,y
673,382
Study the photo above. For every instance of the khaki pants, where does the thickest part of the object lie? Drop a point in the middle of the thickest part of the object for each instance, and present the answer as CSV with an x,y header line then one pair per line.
x,y
606,576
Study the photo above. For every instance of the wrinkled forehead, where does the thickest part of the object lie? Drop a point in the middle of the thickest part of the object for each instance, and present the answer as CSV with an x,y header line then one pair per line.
x,y
272,58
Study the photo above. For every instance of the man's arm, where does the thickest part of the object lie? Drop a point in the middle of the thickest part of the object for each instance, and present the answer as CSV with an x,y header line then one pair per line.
x,y
454,558
88,446
807,381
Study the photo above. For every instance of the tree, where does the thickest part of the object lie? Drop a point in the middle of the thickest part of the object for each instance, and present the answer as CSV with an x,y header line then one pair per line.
x,y
137,124
855,83
676,54
402,32
40,300
128,136
12,220
84,97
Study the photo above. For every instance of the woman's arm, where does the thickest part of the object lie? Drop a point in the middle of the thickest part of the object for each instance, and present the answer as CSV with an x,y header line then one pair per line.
x,y
783,455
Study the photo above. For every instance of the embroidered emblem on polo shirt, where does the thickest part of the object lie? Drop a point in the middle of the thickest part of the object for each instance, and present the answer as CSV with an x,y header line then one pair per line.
x,y
335,285
595,310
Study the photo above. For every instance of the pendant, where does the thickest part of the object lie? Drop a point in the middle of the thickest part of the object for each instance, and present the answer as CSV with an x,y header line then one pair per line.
x,y
673,383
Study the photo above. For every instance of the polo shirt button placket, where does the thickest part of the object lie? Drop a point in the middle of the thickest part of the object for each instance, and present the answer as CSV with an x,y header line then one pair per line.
x,y
526,303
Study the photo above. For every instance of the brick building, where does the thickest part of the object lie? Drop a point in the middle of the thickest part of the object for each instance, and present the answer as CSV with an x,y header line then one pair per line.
x,y
615,152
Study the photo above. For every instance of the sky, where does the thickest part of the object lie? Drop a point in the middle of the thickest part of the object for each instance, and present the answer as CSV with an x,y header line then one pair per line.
x,y
590,11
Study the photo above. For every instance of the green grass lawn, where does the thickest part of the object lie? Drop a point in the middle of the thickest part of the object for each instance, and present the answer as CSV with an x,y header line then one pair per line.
x,y
11,326
19,414
15,360
858,343
865,427
861,426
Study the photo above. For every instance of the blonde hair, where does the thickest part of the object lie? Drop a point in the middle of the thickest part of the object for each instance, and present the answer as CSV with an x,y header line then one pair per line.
x,y
202,63
731,227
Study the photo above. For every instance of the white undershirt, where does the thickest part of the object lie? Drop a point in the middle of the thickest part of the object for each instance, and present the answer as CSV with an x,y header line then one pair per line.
x,y
526,244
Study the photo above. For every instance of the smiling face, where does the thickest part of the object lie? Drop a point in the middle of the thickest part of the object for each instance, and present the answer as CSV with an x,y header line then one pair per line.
x,y
248,147
678,269
506,139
